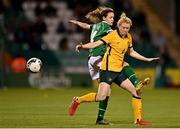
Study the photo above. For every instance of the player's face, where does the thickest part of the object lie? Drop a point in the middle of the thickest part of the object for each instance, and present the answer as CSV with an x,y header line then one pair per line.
x,y
109,18
124,28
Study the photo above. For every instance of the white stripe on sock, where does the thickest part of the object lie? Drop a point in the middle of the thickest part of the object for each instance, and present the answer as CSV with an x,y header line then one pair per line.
x,y
131,76
102,109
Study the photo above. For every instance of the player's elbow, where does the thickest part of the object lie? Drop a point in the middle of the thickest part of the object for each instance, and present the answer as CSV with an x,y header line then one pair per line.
x,y
131,53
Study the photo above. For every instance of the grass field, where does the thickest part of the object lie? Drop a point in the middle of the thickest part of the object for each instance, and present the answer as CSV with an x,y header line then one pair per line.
x,y
27,108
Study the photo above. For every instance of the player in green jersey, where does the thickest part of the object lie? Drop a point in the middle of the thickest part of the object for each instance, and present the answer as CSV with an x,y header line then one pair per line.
x,y
103,18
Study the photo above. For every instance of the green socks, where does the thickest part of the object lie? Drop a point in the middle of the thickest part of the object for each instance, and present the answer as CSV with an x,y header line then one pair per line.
x,y
129,72
102,108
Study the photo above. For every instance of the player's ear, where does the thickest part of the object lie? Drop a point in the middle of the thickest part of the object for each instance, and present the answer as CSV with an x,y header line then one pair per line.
x,y
104,18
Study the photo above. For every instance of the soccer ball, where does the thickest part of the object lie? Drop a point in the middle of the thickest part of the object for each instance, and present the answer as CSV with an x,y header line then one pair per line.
x,y
34,64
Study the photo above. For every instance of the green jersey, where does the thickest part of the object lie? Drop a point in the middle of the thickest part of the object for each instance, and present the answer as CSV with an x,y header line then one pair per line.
x,y
98,30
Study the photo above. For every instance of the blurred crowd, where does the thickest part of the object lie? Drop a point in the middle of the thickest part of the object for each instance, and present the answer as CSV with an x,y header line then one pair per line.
x,y
43,24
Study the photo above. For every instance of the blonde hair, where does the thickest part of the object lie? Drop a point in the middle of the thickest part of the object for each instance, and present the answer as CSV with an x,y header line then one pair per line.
x,y
124,18
97,14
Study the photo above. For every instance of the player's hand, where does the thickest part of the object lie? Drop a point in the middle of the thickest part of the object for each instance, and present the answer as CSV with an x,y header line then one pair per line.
x,y
153,59
78,47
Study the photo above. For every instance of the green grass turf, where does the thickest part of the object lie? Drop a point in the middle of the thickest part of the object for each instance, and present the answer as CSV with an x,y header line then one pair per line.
x,y
23,108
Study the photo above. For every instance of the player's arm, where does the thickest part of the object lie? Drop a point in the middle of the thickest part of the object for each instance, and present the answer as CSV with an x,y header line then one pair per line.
x,y
89,45
81,24
138,56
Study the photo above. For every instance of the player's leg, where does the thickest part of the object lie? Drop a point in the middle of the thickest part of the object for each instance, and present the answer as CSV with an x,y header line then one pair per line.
x,y
103,91
136,103
129,72
94,64
102,109
136,100
90,97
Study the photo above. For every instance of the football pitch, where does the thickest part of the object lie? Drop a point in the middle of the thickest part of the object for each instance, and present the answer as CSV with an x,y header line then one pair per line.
x,y
33,108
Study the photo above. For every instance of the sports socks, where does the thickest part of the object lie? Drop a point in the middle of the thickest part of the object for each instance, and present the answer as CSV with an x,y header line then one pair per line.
x,y
91,97
137,108
129,72
102,108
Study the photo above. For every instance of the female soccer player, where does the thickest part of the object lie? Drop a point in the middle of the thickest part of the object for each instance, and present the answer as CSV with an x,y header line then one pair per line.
x,y
119,42
103,18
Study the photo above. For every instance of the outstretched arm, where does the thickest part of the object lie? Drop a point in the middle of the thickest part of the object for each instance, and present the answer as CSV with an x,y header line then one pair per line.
x,y
81,24
136,55
89,45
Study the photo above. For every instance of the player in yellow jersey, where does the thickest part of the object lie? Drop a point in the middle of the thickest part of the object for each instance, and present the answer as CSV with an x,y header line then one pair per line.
x,y
102,18
119,42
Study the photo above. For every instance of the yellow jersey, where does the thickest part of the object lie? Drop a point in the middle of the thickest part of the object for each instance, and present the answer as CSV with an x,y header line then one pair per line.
x,y
117,46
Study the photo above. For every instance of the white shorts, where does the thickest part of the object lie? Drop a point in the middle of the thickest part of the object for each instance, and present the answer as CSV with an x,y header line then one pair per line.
x,y
94,65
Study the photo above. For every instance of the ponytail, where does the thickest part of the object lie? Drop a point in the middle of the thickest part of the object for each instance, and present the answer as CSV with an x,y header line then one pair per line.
x,y
97,14
124,18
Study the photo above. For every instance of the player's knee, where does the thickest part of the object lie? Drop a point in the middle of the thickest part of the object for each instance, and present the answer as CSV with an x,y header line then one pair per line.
x,y
100,97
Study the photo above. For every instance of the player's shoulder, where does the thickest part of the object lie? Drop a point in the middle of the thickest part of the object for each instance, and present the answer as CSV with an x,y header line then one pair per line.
x,y
129,35
114,32
99,23
111,32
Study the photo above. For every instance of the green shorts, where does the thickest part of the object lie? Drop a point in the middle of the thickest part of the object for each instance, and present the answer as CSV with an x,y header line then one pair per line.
x,y
109,77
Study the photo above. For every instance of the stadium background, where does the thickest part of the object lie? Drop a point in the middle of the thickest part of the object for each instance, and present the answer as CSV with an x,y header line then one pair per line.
x,y
30,28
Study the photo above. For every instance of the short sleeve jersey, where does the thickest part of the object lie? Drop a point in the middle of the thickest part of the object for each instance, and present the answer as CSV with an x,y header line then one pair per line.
x,y
117,47
98,30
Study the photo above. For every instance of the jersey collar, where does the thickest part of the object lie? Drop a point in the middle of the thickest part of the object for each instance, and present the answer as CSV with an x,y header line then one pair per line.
x,y
120,34
105,22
